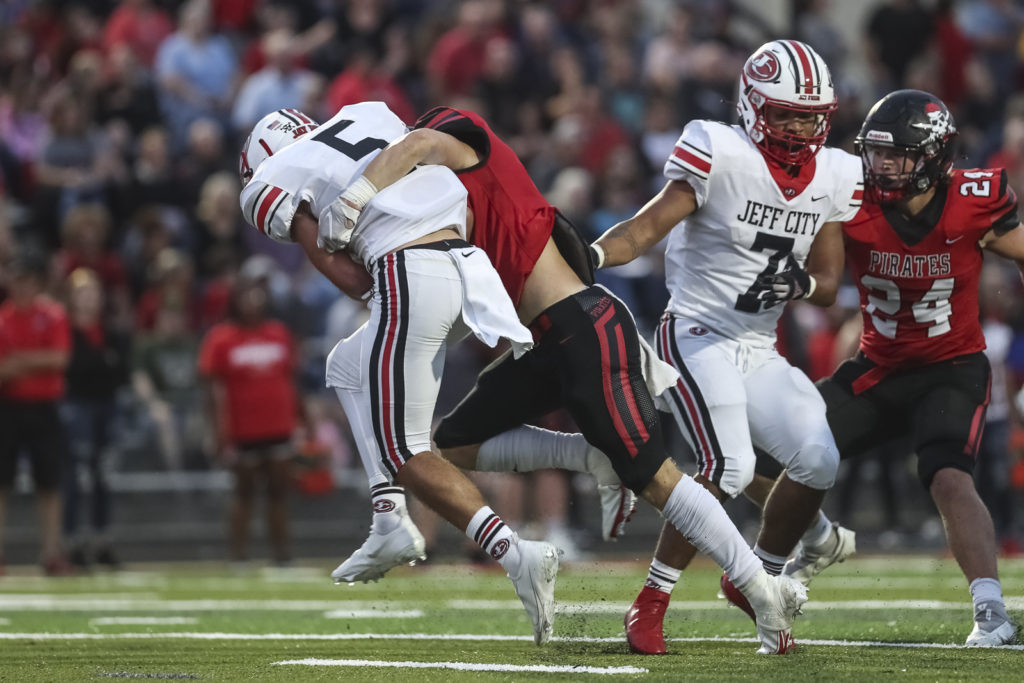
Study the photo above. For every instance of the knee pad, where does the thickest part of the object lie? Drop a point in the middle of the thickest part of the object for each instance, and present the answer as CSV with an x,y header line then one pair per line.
x,y
815,466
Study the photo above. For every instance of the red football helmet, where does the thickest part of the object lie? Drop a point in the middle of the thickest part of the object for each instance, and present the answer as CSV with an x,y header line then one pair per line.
x,y
789,75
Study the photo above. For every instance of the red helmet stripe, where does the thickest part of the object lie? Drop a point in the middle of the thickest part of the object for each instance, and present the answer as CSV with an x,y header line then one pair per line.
x,y
298,114
805,66
266,147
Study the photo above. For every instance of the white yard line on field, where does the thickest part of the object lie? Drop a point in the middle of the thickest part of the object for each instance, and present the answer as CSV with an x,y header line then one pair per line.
x,y
97,603
467,666
142,621
450,636
374,614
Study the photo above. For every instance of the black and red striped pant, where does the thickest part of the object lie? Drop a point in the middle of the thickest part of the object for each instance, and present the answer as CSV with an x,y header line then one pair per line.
x,y
939,406
587,361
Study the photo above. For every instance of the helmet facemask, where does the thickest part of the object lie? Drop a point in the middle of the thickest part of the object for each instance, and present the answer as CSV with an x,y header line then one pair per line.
x,y
791,149
892,173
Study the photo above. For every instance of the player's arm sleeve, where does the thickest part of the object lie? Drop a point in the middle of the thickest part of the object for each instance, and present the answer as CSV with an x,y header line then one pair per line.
x,y
460,127
851,190
269,209
691,160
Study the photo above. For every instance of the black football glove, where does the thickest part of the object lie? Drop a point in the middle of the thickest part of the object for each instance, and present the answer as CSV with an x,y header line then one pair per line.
x,y
792,283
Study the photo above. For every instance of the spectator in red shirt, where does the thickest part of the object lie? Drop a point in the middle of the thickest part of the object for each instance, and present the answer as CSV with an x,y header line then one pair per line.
x,y
34,348
248,364
139,24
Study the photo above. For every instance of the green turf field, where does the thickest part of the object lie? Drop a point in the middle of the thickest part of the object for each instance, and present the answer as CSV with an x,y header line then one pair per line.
x,y
869,618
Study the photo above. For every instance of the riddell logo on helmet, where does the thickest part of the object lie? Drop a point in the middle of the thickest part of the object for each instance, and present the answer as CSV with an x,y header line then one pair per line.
x,y
878,136
499,549
383,505
763,67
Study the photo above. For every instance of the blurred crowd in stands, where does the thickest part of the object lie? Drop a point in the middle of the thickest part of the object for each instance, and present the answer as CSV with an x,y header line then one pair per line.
x,y
120,125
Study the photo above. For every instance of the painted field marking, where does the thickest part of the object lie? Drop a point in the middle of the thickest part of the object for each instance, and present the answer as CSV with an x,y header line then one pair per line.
x,y
142,621
27,602
467,666
457,636
373,614
1012,602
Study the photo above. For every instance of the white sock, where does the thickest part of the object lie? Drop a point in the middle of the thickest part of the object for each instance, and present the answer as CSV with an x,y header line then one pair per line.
x,y
703,521
386,502
986,591
527,448
494,536
662,577
818,532
773,564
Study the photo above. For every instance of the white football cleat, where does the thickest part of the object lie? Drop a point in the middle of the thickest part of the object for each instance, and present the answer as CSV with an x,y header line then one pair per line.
x,y
534,581
992,627
617,502
807,564
775,609
380,553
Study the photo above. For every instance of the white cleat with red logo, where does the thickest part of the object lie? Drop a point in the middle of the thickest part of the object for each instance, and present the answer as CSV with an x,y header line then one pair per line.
x,y
534,580
381,552
776,606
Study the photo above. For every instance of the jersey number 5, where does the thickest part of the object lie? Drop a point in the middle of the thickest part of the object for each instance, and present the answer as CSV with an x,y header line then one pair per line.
x,y
780,248
934,308
355,152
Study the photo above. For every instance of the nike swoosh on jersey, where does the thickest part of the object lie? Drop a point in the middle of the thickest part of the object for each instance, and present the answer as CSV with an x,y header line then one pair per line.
x,y
814,199
955,239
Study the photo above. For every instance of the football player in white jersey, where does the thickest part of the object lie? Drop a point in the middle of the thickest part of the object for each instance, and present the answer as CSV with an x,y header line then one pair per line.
x,y
429,287
753,213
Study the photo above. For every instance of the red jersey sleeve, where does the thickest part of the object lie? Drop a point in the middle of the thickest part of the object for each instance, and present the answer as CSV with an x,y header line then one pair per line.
x,y
211,352
1004,212
461,127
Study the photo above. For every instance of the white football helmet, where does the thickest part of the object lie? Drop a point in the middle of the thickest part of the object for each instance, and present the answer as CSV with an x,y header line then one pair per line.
x,y
789,75
271,134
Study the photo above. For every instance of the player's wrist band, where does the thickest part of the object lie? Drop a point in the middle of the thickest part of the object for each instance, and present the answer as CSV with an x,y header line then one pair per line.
x,y
599,255
359,192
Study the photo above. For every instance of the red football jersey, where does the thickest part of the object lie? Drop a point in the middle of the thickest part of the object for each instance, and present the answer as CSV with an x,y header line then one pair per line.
x,y
512,220
255,365
43,326
918,278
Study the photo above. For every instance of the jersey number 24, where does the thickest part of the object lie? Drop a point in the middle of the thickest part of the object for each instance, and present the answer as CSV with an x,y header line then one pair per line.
x,y
884,301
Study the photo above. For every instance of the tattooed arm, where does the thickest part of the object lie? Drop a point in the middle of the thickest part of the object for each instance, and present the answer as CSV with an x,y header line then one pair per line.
x,y
625,241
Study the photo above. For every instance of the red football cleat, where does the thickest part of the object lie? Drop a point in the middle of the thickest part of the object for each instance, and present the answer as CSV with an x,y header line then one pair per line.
x,y
644,622
733,595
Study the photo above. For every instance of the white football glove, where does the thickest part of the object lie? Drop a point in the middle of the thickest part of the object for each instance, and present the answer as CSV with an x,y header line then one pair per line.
x,y
338,221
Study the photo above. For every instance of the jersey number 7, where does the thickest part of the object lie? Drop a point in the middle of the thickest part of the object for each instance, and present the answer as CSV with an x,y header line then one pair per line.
x,y
780,248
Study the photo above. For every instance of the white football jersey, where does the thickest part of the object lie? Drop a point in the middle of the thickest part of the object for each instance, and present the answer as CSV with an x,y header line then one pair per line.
x,y
745,226
322,163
